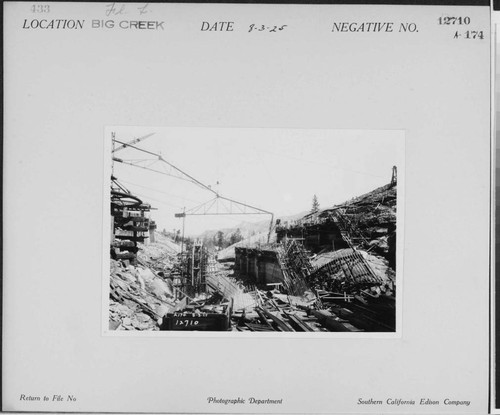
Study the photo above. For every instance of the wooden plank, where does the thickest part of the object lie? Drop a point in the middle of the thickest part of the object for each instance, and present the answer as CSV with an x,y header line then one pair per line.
x,y
278,321
258,327
299,323
262,317
328,321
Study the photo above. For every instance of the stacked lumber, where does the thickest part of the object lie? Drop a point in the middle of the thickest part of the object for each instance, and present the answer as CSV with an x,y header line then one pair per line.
x,y
282,313
368,312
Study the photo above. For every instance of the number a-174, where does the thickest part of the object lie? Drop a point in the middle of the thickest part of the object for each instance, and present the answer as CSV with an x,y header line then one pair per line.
x,y
469,34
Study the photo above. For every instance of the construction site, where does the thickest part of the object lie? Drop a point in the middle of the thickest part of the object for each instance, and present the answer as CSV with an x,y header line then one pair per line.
x,y
331,269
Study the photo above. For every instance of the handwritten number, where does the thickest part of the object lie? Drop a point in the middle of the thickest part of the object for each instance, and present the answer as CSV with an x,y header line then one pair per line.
x,y
262,28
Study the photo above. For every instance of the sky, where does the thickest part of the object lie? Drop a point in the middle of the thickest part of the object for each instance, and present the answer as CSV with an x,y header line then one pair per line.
x,y
276,170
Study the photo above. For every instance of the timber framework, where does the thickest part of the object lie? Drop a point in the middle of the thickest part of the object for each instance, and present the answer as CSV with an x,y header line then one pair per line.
x,y
333,270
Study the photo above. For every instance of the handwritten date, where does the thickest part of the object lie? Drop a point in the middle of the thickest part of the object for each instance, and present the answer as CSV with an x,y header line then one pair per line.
x,y
262,28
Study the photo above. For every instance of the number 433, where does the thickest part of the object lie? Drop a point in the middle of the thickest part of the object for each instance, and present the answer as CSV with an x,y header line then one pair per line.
x,y
40,8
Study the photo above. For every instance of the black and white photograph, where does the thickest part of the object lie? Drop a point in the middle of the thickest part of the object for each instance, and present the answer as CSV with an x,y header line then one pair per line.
x,y
248,208
253,230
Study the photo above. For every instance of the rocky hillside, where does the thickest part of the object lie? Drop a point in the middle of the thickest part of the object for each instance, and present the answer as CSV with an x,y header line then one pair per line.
x,y
140,295
373,216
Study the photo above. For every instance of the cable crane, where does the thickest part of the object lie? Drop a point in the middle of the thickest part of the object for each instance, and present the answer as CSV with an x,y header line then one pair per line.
x,y
211,207
134,141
